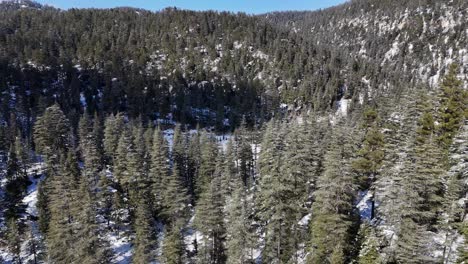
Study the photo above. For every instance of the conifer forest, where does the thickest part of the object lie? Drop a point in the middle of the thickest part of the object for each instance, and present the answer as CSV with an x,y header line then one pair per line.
x,y
205,137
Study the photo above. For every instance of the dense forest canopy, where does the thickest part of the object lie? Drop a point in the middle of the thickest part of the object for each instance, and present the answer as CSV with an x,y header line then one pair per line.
x,y
333,136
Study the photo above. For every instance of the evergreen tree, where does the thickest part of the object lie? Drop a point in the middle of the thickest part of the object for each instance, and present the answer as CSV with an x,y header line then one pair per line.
x,y
173,246
453,106
244,155
209,218
239,232
369,253
34,245
209,152
137,180
124,150
421,195
193,162
52,133
89,247
14,239
13,166
332,222
412,244
144,234
279,200
61,233
89,146
423,185
175,198
179,154
371,155
114,127
52,137
43,207
159,169
23,154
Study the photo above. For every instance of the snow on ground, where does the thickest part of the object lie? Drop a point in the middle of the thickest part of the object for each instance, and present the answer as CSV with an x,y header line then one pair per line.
x,y
35,176
364,205
222,141
305,220
160,239
30,199
343,106
301,254
191,235
169,137
393,51
122,248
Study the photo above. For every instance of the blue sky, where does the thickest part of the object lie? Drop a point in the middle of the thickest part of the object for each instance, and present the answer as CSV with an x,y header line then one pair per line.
x,y
248,6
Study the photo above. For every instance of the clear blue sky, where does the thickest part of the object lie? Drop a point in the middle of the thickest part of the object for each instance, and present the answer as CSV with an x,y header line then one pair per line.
x,y
248,6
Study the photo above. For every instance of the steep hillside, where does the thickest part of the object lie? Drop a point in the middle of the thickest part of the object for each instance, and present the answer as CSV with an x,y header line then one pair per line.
x,y
333,136
415,40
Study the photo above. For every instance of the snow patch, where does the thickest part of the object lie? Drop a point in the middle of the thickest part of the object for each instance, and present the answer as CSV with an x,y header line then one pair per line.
x,y
364,205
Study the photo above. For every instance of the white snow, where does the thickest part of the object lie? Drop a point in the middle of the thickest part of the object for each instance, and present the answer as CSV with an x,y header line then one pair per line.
x,y
122,248
305,220
343,106
393,51
191,235
237,45
260,55
30,200
364,205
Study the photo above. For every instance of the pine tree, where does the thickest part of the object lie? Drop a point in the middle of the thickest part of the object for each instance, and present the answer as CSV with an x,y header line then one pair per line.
x,y
173,246
52,134
412,244
369,253
175,198
209,218
43,209
371,155
34,244
239,232
144,234
423,185
272,208
332,221
193,162
23,154
114,127
400,129
105,195
453,106
244,155
136,180
89,247
62,194
13,166
209,152
89,146
121,168
159,169
179,154
454,191
421,196
14,239
53,139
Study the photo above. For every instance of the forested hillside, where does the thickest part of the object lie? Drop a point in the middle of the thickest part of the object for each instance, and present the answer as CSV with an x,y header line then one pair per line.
x,y
333,136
